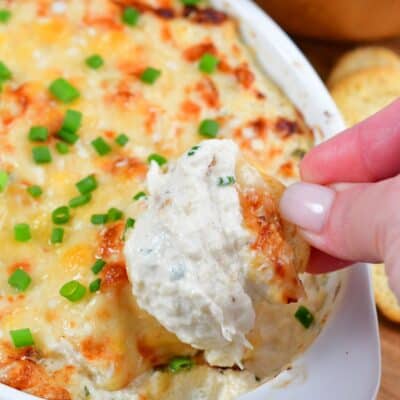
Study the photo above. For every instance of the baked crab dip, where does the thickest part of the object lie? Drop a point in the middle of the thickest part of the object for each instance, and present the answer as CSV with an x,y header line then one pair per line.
x,y
143,255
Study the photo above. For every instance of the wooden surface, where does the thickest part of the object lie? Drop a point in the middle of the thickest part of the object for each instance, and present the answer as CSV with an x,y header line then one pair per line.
x,y
323,56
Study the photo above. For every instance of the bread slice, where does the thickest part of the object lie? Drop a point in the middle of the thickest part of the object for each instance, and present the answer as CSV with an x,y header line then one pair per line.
x,y
362,58
384,297
365,92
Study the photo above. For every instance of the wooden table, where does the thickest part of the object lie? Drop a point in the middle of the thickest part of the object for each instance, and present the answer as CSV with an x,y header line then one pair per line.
x,y
323,56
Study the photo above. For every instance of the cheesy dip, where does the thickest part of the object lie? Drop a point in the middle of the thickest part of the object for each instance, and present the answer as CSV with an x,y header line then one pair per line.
x,y
92,93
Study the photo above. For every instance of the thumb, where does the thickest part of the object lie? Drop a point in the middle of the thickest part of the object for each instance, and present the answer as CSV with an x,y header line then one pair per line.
x,y
355,222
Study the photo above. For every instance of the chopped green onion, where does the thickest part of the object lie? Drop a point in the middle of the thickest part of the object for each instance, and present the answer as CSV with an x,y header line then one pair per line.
x,y
38,134
304,316
60,215
99,219
139,196
35,191
41,155
193,150
5,16
226,180
209,128
87,185
80,200
101,146
179,364
62,90
95,285
22,338
19,280
160,160
5,73
57,235
73,291
68,137
298,153
130,16
98,266
150,75
22,232
208,63
122,139
72,121
129,224
62,148
4,178
95,61
190,2
87,393
113,214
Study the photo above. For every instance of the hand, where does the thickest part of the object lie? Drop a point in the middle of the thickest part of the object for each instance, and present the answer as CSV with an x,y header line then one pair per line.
x,y
349,203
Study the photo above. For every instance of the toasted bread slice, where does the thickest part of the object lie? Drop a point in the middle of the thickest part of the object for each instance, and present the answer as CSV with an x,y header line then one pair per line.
x,y
365,92
384,297
362,58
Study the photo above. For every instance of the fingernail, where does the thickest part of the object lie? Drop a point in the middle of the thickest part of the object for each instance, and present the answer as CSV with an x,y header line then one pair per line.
x,y
307,205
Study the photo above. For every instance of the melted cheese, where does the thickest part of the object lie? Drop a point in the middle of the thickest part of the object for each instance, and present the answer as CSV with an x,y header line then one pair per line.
x,y
113,341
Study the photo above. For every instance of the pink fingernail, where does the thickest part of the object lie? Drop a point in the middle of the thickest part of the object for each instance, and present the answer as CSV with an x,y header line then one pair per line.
x,y
307,205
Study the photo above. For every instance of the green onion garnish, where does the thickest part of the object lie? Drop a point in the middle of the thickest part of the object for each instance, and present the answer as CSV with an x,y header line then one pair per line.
x,y
19,280
22,338
98,266
4,178
38,134
160,160
72,121
122,139
226,180
208,63
179,364
22,232
73,291
62,148
130,16
304,316
57,235
41,155
99,219
35,191
5,73
60,215
193,150
113,214
80,200
62,90
298,153
150,75
101,146
190,2
209,128
68,137
139,196
129,224
95,285
95,61
87,185
5,16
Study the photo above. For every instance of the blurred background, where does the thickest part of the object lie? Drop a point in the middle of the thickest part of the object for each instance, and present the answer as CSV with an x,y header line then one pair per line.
x,y
355,47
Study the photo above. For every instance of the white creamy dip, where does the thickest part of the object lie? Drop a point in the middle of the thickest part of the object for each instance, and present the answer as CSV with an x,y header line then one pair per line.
x,y
187,255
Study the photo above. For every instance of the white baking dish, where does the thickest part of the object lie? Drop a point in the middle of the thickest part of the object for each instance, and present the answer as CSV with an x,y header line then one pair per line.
x,y
344,362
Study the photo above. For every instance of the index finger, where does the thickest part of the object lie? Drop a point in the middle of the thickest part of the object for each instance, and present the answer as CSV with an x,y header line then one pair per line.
x,y
367,152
